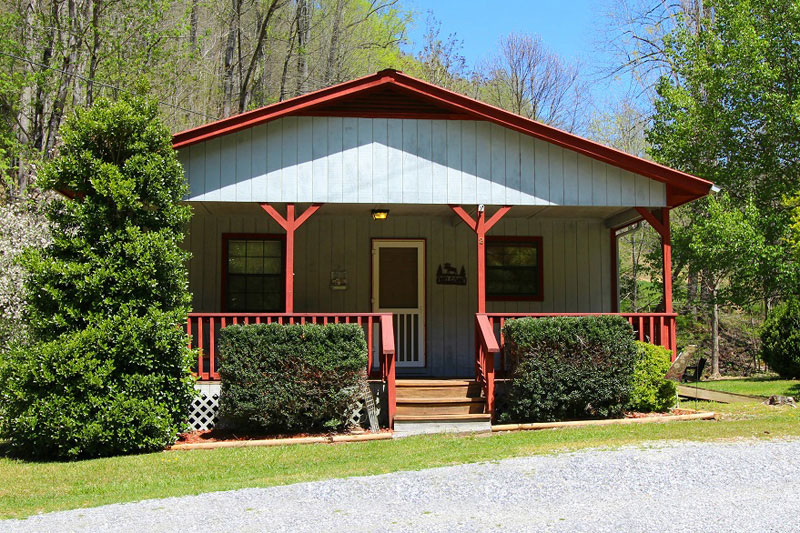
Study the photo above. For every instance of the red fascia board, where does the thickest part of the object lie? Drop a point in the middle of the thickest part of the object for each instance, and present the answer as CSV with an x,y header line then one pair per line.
x,y
460,104
274,111
558,137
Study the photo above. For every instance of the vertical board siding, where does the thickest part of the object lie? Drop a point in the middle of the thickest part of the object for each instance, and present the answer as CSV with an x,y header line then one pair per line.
x,y
379,160
575,269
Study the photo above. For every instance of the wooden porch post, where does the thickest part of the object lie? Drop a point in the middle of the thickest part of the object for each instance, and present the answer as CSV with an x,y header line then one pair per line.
x,y
614,252
480,226
290,224
662,227
666,246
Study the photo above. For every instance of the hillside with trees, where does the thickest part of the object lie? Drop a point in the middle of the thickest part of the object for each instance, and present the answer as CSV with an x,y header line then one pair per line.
x,y
714,92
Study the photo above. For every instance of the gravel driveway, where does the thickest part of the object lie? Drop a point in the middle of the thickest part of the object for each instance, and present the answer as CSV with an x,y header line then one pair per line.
x,y
748,486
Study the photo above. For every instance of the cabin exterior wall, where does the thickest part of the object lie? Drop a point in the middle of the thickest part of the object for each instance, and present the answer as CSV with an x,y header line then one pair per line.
x,y
412,161
575,255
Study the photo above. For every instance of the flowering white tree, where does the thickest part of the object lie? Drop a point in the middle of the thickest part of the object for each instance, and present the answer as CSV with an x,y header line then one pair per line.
x,y
22,225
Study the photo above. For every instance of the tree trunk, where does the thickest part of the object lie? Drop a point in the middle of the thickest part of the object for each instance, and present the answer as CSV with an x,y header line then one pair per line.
x,y
303,35
333,47
244,89
715,337
193,27
285,72
229,62
691,291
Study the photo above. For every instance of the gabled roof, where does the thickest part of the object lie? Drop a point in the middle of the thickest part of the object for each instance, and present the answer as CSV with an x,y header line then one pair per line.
x,y
392,94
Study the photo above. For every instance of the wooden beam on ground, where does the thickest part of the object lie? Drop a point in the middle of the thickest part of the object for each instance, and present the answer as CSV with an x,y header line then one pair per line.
x,y
696,393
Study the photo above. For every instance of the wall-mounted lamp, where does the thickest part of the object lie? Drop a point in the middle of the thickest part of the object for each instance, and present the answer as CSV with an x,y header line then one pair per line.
x,y
380,214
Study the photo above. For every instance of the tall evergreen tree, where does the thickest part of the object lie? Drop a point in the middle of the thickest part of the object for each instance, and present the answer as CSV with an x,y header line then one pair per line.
x,y
107,368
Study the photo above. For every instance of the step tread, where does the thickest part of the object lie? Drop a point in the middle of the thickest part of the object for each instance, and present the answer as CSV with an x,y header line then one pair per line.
x,y
440,400
433,418
434,382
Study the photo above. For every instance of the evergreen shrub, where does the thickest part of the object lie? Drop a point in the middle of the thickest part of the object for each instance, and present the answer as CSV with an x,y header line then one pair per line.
x,y
569,368
780,340
651,392
290,378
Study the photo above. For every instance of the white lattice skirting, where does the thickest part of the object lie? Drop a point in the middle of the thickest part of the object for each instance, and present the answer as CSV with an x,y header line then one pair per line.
x,y
205,407
204,411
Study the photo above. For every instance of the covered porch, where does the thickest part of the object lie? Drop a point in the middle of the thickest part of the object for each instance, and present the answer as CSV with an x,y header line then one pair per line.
x,y
338,254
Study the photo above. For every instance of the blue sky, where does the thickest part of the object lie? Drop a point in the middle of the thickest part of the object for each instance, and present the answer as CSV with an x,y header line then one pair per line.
x,y
571,28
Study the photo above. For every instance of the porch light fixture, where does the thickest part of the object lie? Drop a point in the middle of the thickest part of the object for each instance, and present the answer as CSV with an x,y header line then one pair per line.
x,y
380,214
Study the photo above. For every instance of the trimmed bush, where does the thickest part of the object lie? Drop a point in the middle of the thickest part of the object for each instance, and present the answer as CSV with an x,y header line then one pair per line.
x,y
106,370
780,340
569,368
290,378
651,392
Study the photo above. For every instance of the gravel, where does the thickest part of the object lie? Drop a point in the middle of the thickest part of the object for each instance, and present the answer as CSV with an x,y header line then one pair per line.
x,y
737,486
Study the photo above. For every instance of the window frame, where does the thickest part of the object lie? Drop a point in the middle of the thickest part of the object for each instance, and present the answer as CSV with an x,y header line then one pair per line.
x,y
226,237
533,240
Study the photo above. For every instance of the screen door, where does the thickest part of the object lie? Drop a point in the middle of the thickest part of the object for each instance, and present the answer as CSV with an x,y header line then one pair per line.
x,y
398,287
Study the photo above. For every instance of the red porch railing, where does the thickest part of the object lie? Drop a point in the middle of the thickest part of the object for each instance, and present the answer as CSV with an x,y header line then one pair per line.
x,y
203,328
655,328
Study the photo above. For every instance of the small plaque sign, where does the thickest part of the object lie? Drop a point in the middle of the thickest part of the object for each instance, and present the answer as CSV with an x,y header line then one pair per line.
x,y
447,274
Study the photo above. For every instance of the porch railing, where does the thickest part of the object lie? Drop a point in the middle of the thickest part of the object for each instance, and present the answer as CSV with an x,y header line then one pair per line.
x,y
654,328
203,328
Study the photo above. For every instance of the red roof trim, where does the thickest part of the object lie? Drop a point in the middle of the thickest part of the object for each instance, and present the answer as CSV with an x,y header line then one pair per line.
x,y
460,104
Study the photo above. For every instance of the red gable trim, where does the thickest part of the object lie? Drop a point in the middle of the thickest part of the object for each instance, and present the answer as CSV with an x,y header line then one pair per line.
x,y
460,105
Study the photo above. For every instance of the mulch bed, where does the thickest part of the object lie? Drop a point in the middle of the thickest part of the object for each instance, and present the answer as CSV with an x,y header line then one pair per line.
x,y
219,435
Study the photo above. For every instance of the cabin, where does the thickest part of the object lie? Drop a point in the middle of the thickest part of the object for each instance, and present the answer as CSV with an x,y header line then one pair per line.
x,y
425,216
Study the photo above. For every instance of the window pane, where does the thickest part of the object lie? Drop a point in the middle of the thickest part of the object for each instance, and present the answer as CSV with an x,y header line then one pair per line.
x,y
237,248
273,249
512,269
237,283
255,280
255,265
237,265
255,248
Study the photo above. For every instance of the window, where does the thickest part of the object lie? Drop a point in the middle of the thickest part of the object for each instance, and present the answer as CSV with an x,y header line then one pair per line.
x,y
514,268
253,274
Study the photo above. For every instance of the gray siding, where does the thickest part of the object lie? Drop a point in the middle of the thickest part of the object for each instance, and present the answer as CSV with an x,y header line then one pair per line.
x,y
575,256
362,160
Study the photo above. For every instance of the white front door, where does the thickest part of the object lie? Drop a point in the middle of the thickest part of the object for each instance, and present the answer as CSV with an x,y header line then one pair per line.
x,y
398,287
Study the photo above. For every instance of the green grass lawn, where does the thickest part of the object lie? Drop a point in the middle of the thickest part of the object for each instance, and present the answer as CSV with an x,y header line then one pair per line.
x,y
757,386
27,487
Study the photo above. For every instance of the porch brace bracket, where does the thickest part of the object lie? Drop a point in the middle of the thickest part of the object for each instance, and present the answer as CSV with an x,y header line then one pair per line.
x,y
662,227
480,226
290,225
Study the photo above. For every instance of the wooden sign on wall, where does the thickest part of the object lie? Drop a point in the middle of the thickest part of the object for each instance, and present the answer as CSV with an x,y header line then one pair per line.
x,y
447,274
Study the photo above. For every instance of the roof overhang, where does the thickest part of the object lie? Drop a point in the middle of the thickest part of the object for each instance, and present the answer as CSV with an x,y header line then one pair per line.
x,y
437,102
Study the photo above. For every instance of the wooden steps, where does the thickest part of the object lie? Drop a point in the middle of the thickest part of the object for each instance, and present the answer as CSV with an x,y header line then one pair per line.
x,y
421,418
438,405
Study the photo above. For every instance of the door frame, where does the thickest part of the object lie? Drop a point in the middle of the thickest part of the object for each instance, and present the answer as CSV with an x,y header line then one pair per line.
x,y
403,242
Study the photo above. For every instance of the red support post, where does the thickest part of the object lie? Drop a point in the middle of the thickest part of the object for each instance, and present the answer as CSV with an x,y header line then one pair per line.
x,y
290,225
666,245
662,227
480,226
614,271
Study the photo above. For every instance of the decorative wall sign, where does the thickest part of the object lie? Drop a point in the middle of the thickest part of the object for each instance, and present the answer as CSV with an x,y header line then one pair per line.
x,y
338,280
447,274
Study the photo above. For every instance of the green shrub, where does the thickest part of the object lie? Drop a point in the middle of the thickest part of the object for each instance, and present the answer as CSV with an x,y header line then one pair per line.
x,y
651,392
290,378
780,340
569,368
107,368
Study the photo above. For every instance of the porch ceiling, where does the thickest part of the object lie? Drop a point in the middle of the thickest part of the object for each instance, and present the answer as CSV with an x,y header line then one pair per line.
x,y
246,208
